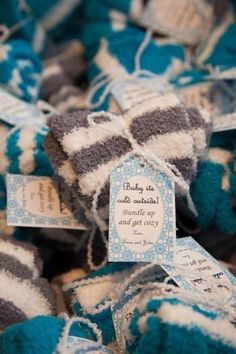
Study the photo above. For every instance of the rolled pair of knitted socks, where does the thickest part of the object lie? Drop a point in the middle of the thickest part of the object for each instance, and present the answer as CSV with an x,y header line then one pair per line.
x,y
23,294
91,296
111,43
20,69
113,48
160,325
85,147
113,63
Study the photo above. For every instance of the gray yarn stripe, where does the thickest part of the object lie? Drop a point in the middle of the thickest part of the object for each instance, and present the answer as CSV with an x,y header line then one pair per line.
x,y
54,150
185,165
62,125
159,122
10,314
13,266
195,118
87,160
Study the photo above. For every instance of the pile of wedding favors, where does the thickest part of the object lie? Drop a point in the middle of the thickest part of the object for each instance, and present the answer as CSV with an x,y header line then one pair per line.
x,y
117,176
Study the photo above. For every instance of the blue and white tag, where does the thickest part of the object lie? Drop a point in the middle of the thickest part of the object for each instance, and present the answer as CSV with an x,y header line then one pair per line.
x,y
142,214
194,269
78,345
211,95
14,111
224,123
224,74
203,272
34,201
128,93
122,310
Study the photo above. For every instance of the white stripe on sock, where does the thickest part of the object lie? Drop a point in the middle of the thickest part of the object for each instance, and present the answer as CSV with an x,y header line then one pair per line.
x,y
23,295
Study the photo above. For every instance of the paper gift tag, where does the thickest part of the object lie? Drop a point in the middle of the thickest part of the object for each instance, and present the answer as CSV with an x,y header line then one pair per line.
x,y
224,123
186,20
129,93
122,313
17,112
225,74
82,345
142,213
202,271
34,202
213,96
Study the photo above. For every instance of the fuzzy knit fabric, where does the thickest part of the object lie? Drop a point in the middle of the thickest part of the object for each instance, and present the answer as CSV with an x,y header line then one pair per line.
x,y
111,42
41,334
20,70
115,59
85,147
219,49
38,335
214,189
68,98
53,78
111,9
113,34
59,90
39,24
61,71
90,297
21,152
23,293
160,325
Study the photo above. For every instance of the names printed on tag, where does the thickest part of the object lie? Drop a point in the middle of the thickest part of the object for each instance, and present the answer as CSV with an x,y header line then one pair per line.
x,y
142,213
35,202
